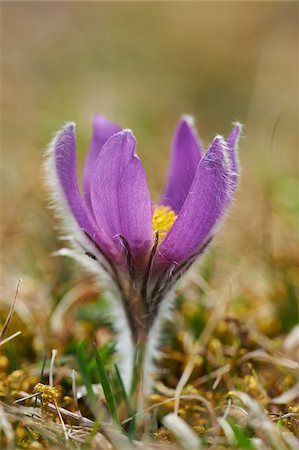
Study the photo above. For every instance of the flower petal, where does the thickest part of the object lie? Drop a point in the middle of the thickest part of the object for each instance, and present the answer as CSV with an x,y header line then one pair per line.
x,y
103,129
205,205
185,156
62,178
232,143
119,194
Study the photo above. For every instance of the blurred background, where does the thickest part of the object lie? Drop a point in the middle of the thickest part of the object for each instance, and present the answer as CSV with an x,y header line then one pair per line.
x,y
143,65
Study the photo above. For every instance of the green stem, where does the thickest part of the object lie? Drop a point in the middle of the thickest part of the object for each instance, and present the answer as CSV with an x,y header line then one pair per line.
x,y
138,400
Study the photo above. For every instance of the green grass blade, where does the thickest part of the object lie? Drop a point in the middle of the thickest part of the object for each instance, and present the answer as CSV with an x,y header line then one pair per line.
x,y
130,411
123,392
82,363
110,401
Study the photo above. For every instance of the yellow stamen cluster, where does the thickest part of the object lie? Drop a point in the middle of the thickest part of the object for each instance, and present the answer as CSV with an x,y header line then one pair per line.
x,y
163,219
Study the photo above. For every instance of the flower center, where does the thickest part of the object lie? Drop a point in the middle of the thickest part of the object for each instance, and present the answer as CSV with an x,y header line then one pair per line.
x,y
163,219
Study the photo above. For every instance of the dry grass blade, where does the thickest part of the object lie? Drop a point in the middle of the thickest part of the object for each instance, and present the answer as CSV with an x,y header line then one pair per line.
x,y
287,396
172,399
218,312
66,436
264,356
9,338
228,431
6,427
51,431
183,433
10,314
260,421
51,371
75,393
66,414
28,397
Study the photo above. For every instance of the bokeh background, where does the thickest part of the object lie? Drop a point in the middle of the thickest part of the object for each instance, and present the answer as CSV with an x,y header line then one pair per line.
x,y
143,65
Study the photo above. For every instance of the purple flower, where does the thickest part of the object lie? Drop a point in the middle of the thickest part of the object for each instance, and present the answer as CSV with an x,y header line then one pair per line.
x,y
139,249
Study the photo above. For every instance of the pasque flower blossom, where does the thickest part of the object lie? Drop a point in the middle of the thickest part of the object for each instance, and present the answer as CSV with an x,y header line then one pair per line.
x,y
137,248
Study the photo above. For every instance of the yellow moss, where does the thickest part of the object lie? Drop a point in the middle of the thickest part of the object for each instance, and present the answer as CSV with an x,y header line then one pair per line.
x,y
4,362
15,377
68,400
26,438
163,435
292,423
221,328
215,346
189,309
294,409
20,433
199,429
49,394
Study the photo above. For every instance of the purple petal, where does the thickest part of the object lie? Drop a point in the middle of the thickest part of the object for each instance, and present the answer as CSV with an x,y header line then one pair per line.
x,y
205,205
64,153
119,194
103,129
185,156
232,143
